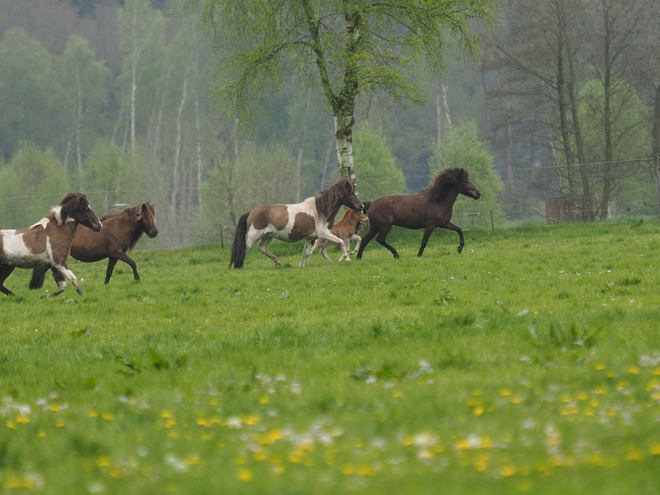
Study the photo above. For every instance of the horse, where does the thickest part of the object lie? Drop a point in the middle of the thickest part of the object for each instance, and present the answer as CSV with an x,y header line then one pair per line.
x,y
428,209
122,229
345,229
308,220
47,243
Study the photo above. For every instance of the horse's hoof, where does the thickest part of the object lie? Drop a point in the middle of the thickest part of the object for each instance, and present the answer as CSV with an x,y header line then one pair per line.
x,y
460,248
396,256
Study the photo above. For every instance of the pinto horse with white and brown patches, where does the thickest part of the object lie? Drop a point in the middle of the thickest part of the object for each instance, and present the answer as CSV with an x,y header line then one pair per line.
x,y
47,243
346,229
122,229
429,209
309,220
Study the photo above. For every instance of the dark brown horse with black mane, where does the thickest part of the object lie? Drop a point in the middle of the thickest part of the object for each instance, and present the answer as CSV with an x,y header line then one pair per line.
x,y
47,243
308,220
429,209
122,229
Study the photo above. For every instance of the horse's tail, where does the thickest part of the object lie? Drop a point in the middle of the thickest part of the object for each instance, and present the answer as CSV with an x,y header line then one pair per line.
x,y
239,246
37,280
365,207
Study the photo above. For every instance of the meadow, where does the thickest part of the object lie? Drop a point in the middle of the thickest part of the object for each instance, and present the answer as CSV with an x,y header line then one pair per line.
x,y
528,363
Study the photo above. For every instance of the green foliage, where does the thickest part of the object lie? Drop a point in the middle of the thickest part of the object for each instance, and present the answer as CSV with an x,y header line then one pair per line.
x,y
110,178
30,96
30,184
465,149
378,173
236,185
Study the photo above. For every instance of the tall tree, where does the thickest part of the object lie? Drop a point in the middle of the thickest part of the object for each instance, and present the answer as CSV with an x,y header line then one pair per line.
x,y
347,47
86,80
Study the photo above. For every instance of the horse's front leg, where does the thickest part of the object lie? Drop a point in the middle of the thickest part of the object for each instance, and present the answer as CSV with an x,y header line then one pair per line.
x,y
329,236
459,231
61,283
307,250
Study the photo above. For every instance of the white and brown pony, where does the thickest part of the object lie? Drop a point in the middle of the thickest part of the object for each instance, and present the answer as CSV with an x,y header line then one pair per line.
x,y
122,229
47,243
309,220
346,229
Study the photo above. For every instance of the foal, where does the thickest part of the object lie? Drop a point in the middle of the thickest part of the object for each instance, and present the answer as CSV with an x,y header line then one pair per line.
x,y
345,229
47,243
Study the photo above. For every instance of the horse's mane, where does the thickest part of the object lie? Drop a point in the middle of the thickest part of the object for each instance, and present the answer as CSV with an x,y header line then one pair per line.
x,y
70,202
444,180
328,199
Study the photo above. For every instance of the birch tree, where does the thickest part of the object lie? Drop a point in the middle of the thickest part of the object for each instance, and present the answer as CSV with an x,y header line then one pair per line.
x,y
346,48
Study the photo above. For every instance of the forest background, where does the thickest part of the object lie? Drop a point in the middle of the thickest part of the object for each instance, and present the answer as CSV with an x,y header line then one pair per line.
x,y
116,99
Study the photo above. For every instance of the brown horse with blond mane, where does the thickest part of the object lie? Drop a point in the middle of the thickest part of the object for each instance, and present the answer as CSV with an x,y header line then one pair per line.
x,y
122,229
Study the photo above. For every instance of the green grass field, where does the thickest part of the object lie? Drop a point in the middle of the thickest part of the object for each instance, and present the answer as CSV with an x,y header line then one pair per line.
x,y
528,363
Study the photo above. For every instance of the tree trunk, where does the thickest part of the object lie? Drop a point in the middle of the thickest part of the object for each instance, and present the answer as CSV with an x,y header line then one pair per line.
x,y
656,122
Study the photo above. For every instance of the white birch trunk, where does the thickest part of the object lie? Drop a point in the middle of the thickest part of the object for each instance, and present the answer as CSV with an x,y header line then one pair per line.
x,y
177,153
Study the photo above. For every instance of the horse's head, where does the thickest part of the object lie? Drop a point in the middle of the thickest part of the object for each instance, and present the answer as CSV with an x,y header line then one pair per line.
x,y
348,196
149,220
465,186
76,207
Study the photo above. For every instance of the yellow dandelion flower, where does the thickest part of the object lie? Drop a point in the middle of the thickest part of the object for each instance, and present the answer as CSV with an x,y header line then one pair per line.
x,y
11,425
260,455
633,370
481,462
478,411
263,399
277,468
203,422
347,469
505,392
60,423
173,434
93,414
597,458
251,420
656,371
634,454
103,461
600,367
507,470
582,396
11,482
244,475
41,433
213,402
166,414
655,448
108,416
365,470
54,408
22,419
397,394
565,398
193,460
516,399
600,389
116,472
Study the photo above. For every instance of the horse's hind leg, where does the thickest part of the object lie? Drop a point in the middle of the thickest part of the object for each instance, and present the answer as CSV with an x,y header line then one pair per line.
x,y
357,238
111,266
5,271
263,247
